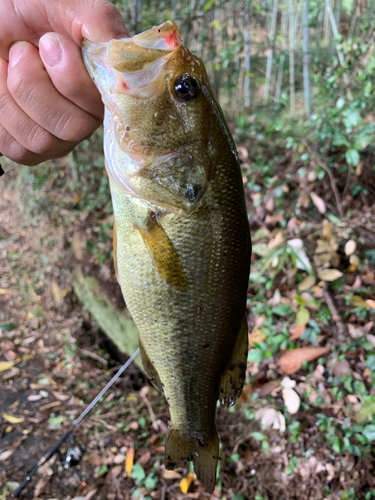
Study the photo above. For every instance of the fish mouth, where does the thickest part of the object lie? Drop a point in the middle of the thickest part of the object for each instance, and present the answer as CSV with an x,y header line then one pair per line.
x,y
132,65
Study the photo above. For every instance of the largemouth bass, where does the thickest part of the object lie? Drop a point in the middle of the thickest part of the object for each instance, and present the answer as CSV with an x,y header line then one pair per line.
x,y
181,240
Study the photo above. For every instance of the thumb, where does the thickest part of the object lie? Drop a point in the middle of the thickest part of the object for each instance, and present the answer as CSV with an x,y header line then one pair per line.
x,y
99,21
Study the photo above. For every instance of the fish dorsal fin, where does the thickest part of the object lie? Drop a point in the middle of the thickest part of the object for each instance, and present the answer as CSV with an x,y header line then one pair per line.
x,y
149,368
163,253
232,381
115,251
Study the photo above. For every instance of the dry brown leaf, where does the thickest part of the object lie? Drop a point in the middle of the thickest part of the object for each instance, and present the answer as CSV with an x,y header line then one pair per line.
x,y
318,202
307,283
327,231
186,481
129,461
350,247
329,274
298,331
6,454
77,245
355,332
171,474
56,293
256,337
357,301
268,388
368,279
291,361
370,303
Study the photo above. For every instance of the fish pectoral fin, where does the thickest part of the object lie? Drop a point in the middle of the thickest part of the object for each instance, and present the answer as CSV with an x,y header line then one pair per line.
x,y
149,368
232,381
163,253
115,251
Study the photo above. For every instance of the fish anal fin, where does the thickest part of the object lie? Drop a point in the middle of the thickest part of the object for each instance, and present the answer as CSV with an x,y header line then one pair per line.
x,y
115,251
162,252
149,368
232,380
205,458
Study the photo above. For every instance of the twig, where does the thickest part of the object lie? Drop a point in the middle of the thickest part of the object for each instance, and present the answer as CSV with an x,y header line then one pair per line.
x,y
151,412
331,178
92,355
341,328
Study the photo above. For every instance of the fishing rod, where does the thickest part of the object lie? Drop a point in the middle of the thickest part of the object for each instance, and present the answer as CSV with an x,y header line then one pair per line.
x,y
73,455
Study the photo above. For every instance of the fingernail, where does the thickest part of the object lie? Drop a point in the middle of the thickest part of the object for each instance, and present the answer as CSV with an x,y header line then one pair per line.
x,y
50,49
15,53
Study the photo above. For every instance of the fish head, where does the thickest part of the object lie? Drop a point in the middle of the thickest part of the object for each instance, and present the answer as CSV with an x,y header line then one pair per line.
x,y
158,110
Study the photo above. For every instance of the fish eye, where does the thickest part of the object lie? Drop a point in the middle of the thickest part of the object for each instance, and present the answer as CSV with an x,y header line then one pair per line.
x,y
186,88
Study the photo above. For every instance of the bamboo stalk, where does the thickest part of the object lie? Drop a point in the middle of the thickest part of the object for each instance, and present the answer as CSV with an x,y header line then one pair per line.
x,y
284,24
271,39
306,59
291,59
247,60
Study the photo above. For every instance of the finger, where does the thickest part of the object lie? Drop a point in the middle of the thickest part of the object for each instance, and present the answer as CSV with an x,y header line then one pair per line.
x,y
64,65
21,127
16,152
33,91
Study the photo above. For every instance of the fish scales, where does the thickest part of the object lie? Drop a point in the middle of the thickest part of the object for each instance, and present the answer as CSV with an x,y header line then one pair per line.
x,y
183,244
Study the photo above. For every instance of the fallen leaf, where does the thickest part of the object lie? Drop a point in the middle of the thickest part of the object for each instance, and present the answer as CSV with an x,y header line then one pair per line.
x,y
56,293
357,301
119,459
6,365
327,231
370,303
355,332
129,461
11,419
318,202
34,397
288,382
186,481
171,474
350,247
371,339
307,283
291,361
329,274
341,368
60,396
303,316
368,279
291,399
302,262
256,337
298,331
271,418
5,455
267,388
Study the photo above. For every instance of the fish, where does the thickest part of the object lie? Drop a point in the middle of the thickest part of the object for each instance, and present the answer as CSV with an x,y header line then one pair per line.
x,y
182,243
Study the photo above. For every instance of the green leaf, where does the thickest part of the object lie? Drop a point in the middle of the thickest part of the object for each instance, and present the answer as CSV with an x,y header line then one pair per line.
x,y
7,327
138,473
150,482
303,316
351,117
208,5
369,432
352,157
258,436
261,249
367,408
58,420
282,310
340,102
102,470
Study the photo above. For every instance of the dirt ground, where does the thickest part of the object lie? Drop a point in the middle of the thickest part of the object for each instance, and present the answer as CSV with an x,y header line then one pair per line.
x,y
60,360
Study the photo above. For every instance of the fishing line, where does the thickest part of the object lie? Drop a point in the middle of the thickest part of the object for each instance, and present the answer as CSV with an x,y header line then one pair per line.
x,y
54,449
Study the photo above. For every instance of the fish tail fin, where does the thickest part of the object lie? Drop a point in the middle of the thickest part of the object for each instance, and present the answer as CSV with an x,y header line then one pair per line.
x,y
177,449
205,461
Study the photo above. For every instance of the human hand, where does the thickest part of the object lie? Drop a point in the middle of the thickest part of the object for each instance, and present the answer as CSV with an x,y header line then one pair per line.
x,y
48,103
